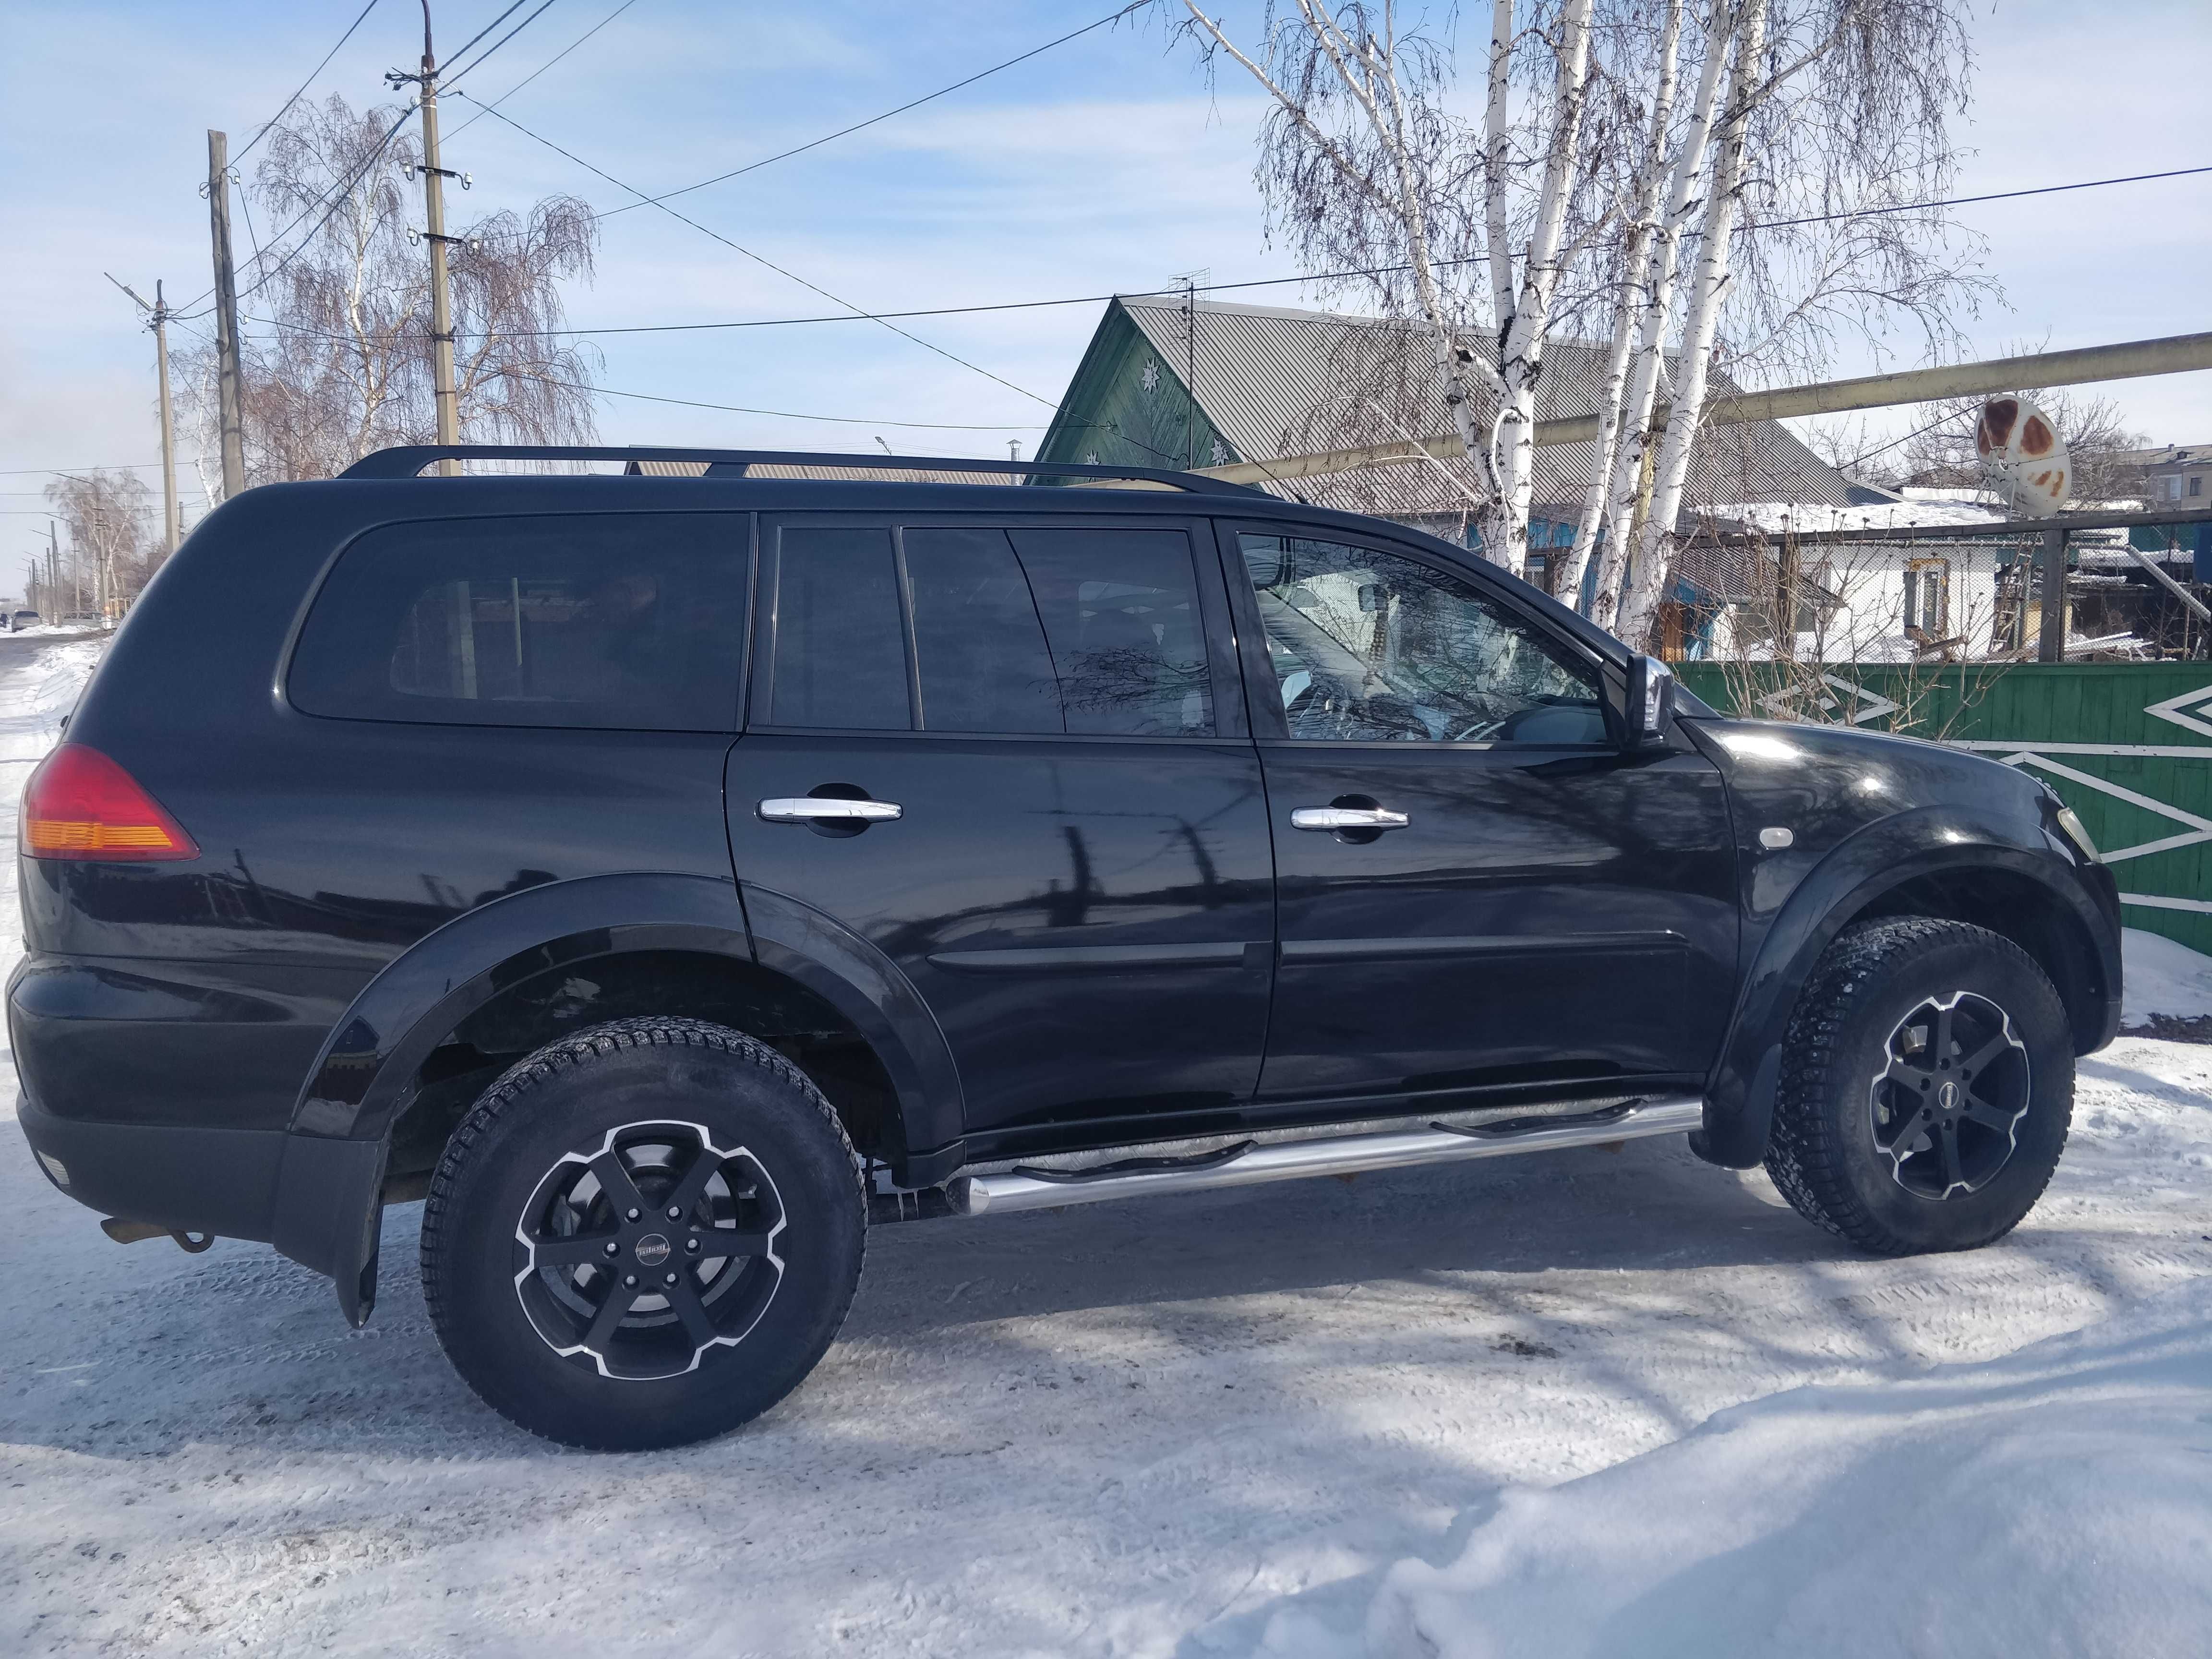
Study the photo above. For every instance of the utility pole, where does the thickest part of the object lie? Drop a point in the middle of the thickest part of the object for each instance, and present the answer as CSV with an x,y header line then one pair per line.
x,y
434,206
173,523
158,315
225,316
1189,281
2051,646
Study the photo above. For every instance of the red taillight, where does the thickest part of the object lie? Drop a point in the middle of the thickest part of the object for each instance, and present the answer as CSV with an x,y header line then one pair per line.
x,y
81,805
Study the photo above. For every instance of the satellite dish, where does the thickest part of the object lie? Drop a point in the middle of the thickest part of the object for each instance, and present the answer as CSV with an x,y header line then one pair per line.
x,y
2020,445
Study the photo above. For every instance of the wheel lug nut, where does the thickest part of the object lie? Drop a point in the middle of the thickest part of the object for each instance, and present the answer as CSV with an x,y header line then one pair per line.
x,y
630,1279
692,1244
672,1278
676,1215
614,1249
633,1215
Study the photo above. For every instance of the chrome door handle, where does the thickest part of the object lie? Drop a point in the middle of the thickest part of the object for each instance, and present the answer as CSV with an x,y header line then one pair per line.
x,y
814,809
1347,817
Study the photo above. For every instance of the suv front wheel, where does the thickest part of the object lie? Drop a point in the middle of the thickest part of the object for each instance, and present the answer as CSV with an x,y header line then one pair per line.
x,y
1927,1087
643,1235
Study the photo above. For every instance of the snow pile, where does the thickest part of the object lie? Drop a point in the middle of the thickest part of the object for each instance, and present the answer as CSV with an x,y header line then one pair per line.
x,y
1197,1425
2056,1502
1807,517
35,695
2162,977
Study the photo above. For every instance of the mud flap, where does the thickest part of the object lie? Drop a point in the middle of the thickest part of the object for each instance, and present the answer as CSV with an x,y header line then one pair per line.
x,y
330,1214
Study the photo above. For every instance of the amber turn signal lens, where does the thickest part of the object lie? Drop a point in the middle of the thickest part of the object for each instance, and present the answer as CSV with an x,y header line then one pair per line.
x,y
81,805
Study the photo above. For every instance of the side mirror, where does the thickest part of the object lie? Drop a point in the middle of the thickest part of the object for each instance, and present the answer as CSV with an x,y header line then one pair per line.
x,y
1650,701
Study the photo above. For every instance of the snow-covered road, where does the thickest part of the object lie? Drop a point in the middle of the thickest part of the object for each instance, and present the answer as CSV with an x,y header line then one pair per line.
x,y
1196,1425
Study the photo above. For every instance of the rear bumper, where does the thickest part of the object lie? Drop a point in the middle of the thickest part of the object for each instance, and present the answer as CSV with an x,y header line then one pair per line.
x,y
193,1179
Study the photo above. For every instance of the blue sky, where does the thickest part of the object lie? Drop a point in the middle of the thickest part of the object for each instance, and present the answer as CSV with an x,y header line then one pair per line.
x,y
1105,164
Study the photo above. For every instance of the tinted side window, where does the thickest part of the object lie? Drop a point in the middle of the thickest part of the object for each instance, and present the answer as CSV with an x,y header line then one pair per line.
x,y
1369,646
984,665
839,642
612,621
1121,614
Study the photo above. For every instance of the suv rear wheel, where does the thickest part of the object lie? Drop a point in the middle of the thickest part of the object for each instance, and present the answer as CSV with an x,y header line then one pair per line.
x,y
643,1235
1927,1087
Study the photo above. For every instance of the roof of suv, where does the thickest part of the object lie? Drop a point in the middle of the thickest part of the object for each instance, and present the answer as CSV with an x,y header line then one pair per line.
x,y
803,481
408,460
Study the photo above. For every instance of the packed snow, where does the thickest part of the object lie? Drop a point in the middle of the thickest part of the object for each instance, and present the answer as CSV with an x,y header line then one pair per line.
x,y
1617,1403
1807,517
2163,977
2057,1501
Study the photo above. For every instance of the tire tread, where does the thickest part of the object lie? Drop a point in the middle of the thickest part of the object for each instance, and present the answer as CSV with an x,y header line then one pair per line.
x,y
1804,1154
514,1086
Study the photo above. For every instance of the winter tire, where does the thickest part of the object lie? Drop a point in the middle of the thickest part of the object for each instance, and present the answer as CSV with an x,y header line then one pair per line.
x,y
1927,1087
643,1235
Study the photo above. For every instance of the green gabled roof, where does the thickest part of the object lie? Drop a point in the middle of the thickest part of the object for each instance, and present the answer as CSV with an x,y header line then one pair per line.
x,y
1128,404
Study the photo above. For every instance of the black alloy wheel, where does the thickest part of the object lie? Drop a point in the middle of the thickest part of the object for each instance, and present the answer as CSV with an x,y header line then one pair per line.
x,y
1947,1105
1926,1088
643,1251
643,1235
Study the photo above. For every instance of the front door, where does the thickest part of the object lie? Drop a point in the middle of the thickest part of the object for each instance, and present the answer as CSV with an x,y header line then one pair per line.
x,y
1078,882
1513,902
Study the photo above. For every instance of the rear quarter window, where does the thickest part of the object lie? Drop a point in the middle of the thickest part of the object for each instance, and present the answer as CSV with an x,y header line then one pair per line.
x,y
613,622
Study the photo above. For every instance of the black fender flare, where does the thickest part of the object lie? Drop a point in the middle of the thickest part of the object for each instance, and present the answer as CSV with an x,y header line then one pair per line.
x,y
867,988
1854,874
329,1199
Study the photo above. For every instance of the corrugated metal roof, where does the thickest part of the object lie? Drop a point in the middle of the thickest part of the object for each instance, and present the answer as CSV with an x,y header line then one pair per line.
x,y
1277,382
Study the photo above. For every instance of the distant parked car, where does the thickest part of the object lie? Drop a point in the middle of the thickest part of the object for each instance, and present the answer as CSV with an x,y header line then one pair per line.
x,y
667,878
22,619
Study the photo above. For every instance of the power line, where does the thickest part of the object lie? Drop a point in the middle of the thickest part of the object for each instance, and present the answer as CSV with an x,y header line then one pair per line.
x,y
309,81
1968,201
689,403
330,202
279,116
928,97
454,75
543,67
330,205
760,260
1900,443
1316,276
780,414
488,29
118,466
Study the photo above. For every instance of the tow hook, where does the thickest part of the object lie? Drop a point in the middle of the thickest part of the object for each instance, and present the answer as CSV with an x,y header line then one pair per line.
x,y
130,1232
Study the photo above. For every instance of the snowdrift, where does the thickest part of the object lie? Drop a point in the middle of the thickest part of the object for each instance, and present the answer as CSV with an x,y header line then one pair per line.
x,y
2056,1502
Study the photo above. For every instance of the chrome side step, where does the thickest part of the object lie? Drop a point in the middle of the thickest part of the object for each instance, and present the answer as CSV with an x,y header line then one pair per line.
x,y
1337,1155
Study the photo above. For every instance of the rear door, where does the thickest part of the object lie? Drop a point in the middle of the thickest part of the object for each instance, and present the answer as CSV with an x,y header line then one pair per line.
x,y
1078,881
1543,911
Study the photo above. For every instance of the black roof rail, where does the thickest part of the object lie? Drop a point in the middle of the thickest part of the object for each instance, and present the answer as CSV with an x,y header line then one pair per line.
x,y
408,460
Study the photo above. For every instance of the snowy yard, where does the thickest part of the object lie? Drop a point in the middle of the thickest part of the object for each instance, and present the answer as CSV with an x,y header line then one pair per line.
x,y
1618,1403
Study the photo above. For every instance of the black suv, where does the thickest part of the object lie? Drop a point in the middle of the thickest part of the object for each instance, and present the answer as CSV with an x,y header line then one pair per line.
x,y
667,877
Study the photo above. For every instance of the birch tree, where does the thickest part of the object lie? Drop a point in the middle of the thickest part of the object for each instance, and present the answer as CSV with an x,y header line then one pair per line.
x,y
1366,164
110,551
334,352
1645,285
1845,104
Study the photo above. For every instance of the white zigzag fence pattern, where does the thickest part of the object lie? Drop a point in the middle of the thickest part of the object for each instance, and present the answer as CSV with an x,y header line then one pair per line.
x,y
2188,710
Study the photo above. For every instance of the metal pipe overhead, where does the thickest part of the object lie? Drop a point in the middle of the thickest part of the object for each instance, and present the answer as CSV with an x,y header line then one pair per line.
x,y
2177,354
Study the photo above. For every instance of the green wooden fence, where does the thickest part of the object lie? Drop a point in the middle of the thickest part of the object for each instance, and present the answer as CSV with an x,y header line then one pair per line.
x,y
2128,745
